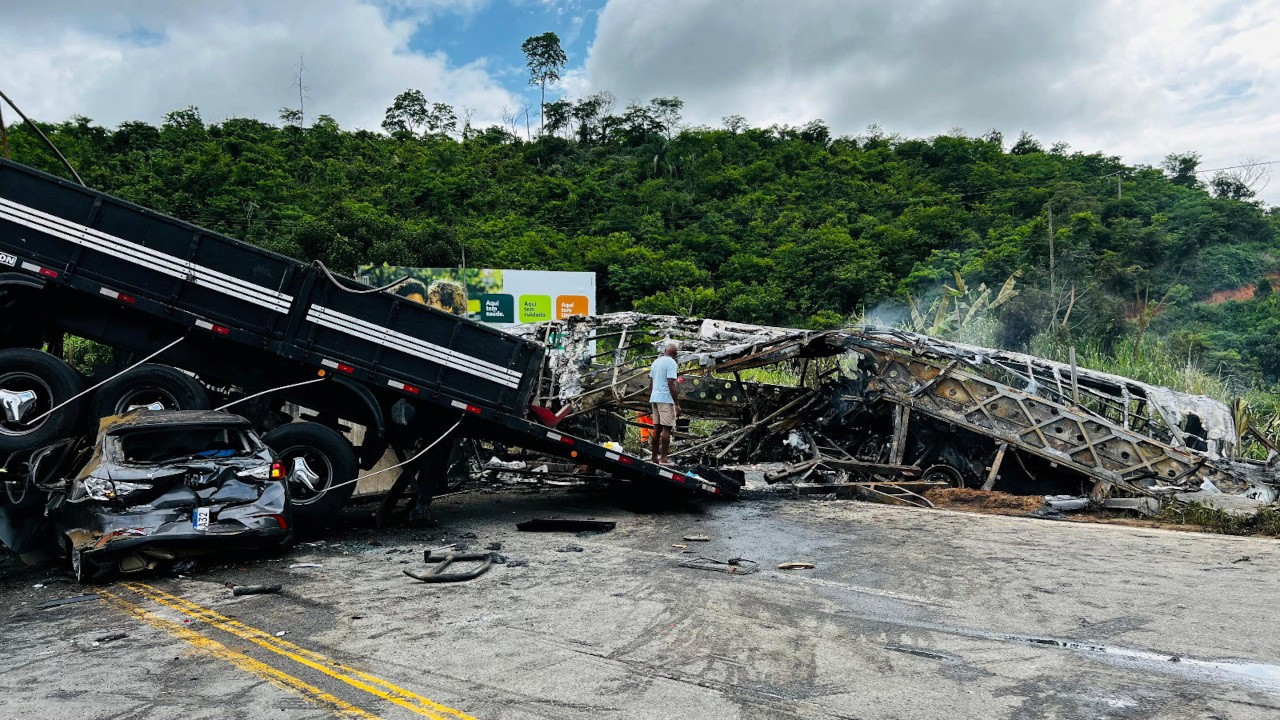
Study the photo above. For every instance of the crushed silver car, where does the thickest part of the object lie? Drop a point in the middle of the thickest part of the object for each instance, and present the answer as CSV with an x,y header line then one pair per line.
x,y
159,486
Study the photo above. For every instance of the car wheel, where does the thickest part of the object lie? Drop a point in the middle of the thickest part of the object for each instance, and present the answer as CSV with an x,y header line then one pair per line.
x,y
31,384
319,466
150,385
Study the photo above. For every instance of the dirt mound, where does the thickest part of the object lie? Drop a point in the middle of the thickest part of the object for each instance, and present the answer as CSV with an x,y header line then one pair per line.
x,y
989,501
1244,292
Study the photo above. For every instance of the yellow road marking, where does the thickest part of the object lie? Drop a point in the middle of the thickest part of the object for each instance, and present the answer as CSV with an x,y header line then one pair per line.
x,y
329,666
262,670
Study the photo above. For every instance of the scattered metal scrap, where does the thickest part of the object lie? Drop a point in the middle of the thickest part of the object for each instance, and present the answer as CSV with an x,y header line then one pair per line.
x,y
889,414
566,525
442,562
732,566
239,590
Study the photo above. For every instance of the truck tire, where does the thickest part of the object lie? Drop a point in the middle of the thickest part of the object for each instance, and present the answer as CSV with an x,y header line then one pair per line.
x,y
52,381
147,384
328,454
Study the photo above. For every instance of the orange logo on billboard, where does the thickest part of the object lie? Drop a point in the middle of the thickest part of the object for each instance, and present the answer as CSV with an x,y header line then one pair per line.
x,y
568,305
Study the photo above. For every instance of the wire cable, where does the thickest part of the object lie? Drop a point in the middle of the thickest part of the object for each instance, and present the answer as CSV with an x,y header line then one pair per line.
x,y
344,288
43,137
401,464
265,392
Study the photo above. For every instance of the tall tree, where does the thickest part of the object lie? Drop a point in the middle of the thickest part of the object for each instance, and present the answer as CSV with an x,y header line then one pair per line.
x,y
408,112
1181,168
545,59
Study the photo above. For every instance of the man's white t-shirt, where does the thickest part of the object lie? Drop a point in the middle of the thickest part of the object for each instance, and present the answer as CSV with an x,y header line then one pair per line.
x,y
664,368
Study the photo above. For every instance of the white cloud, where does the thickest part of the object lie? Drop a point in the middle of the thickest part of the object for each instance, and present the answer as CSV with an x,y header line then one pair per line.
x,y
139,59
1136,78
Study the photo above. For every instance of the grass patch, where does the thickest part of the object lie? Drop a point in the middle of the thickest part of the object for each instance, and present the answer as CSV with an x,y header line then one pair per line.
x,y
1210,519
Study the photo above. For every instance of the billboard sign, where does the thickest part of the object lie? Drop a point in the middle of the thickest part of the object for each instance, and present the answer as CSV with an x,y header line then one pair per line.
x,y
497,297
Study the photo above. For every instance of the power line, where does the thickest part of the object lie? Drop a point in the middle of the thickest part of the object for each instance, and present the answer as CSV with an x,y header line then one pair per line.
x,y
1237,167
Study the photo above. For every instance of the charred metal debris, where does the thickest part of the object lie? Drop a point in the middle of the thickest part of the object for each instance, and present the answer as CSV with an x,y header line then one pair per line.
x,y
887,414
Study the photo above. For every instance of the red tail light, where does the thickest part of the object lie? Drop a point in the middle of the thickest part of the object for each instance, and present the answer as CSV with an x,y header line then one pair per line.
x,y
284,524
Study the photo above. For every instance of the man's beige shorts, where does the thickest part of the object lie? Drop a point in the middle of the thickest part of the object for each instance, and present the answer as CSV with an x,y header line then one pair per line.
x,y
664,414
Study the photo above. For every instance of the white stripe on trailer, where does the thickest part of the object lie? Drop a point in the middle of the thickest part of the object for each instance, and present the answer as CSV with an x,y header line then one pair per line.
x,y
434,353
555,436
109,292
666,474
612,455
31,266
410,345
329,363
126,250
204,324
142,255
459,405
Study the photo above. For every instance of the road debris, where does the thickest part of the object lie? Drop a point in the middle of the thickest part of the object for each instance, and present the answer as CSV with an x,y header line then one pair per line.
x,y
566,525
305,566
239,590
1066,503
109,638
732,566
570,548
443,562
696,538
795,565
68,601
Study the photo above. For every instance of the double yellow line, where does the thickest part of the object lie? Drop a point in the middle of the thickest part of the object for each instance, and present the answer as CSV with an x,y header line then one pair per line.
x,y
328,666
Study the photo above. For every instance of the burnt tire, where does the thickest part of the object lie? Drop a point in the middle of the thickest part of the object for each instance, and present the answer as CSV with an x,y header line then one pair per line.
x,y
329,455
53,382
146,384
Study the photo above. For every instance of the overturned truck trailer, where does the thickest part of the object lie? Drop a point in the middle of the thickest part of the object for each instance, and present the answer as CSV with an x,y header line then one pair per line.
x,y
869,405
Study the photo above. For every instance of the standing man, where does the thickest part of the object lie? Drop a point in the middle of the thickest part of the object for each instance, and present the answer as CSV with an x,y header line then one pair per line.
x,y
664,397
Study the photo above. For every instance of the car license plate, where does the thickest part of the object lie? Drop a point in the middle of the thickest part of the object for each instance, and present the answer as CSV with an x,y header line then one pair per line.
x,y
200,518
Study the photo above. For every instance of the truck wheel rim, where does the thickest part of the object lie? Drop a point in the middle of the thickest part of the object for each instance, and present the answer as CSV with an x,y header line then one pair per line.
x,y
17,382
319,462
144,396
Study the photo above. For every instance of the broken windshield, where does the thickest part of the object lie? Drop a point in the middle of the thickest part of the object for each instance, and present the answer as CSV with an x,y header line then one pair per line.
x,y
173,444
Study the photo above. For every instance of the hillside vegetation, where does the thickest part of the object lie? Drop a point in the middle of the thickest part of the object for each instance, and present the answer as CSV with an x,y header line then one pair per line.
x,y
780,225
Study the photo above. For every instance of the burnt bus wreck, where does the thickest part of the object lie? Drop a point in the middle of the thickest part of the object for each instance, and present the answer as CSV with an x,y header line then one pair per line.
x,y
895,413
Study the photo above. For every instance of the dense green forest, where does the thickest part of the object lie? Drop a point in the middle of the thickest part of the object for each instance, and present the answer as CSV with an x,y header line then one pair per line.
x,y
779,225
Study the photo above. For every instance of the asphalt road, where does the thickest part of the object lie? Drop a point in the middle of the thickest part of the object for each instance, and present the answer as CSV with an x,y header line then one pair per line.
x,y
907,614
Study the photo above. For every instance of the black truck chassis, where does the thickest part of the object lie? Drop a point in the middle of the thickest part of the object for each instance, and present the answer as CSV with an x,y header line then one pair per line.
x,y
81,262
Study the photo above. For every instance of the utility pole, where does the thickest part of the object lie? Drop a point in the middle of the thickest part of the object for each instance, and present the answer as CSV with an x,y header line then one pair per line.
x,y
1119,186
1053,287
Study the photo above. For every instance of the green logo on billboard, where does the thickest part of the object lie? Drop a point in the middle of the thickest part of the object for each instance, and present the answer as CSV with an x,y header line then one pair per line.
x,y
535,308
497,308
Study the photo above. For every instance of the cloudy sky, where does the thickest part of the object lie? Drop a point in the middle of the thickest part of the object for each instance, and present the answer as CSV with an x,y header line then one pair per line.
x,y
1135,78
